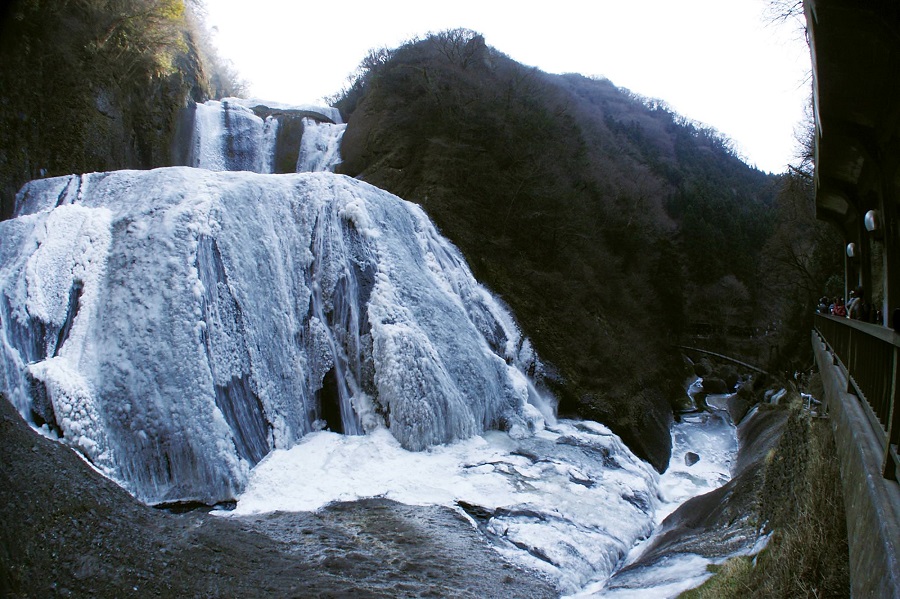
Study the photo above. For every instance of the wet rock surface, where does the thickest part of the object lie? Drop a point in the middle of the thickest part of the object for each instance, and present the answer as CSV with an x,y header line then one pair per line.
x,y
69,532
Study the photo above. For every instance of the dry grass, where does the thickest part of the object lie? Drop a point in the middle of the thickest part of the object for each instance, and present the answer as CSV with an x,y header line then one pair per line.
x,y
731,580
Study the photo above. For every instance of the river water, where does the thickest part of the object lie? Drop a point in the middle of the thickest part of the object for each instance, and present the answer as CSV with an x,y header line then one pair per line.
x,y
704,451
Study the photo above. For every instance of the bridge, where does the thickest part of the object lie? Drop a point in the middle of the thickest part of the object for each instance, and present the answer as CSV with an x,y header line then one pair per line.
x,y
723,358
855,49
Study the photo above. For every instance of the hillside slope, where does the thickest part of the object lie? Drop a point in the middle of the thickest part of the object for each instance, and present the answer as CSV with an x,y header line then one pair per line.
x,y
603,219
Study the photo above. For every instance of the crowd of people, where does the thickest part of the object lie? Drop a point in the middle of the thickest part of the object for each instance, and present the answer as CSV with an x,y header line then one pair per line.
x,y
856,307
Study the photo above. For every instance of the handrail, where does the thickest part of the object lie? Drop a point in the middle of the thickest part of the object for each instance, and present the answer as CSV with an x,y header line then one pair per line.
x,y
875,330
869,355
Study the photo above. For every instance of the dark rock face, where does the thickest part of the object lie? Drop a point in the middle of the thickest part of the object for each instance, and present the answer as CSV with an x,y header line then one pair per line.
x,y
738,407
67,531
287,144
731,381
691,458
714,386
643,423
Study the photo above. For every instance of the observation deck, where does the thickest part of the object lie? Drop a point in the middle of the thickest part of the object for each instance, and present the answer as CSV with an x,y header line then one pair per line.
x,y
855,48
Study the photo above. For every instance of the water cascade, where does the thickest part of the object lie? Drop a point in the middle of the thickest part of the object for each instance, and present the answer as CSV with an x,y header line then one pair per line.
x,y
292,340
263,137
319,146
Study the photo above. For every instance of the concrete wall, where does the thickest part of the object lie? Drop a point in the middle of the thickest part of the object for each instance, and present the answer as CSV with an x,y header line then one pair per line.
x,y
872,503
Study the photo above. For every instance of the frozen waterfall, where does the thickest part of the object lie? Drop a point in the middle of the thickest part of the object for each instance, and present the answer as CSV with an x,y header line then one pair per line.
x,y
292,340
246,135
176,325
320,146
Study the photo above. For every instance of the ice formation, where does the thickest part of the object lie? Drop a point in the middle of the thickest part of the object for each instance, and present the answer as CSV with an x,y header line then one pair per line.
x,y
176,325
569,500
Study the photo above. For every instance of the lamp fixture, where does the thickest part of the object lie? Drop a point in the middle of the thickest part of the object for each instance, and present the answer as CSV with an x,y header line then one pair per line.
x,y
872,220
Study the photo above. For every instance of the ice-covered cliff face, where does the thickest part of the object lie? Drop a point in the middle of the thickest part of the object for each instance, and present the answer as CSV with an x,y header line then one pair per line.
x,y
176,325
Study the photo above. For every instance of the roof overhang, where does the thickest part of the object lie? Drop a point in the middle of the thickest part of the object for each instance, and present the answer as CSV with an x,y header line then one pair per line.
x,y
855,47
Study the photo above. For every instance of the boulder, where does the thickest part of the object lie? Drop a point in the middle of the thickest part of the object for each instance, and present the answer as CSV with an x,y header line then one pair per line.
x,y
738,407
731,381
714,386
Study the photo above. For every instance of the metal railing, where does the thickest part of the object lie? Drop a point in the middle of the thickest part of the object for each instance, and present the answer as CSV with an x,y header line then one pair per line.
x,y
869,355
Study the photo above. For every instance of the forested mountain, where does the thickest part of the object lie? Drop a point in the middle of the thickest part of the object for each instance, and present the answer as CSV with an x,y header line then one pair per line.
x,y
606,221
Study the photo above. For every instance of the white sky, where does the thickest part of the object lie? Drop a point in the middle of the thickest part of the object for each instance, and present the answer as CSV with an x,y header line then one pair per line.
x,y
715,61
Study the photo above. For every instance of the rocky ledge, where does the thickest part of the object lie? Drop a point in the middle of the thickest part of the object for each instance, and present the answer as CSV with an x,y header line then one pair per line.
x,y
68,531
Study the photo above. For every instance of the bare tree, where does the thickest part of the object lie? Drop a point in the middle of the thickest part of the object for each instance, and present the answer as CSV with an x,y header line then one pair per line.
x,y
780,11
